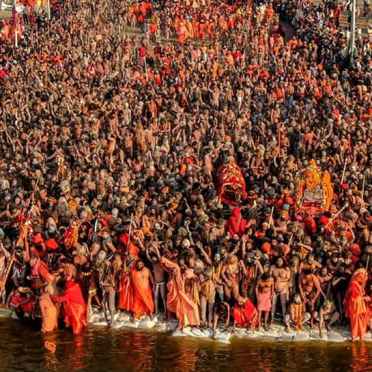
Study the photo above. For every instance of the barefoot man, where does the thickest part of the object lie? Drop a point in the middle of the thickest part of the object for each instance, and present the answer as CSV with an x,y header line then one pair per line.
x,y
178,302
143,302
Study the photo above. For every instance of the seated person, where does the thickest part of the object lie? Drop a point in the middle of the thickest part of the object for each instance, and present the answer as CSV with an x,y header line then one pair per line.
x,y
297,315
327,316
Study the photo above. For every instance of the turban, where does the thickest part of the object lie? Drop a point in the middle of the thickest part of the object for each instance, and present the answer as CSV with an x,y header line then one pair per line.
x,y
37,238
324,220
355,250
266,248
51,244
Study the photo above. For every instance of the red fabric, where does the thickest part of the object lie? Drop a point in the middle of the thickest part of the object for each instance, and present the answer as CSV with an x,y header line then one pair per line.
x,y
3,73
37,238
51,244
125,292
355,305
26,303
246,315
74,307
28,3
143,302
178,302
231,176
266,248
133,250
142,52
323,220
310,225
236,224
355,250
40,270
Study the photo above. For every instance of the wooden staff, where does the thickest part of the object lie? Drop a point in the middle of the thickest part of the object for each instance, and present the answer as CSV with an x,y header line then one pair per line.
x,y
340,211
290,239
343,173
363,185
6,276
307,247
271,216
130,230
367,264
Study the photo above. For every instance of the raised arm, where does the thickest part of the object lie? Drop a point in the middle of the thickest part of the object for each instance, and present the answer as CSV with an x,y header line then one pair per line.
x,y
205,255
318,288
4,250
168,264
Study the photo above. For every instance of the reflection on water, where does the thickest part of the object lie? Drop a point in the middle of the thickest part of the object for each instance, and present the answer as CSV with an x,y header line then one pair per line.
x,y
125,350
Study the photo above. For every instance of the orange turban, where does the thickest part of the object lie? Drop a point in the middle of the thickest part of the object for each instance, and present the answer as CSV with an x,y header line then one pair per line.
x,y
37,238
266,248
51,244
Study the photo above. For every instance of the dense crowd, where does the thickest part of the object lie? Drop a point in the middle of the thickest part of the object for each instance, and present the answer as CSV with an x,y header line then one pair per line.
x,y
197,160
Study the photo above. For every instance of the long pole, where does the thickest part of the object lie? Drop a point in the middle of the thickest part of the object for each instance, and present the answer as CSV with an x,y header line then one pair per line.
x,y
16,37
48,9
352,32
6,276
15,25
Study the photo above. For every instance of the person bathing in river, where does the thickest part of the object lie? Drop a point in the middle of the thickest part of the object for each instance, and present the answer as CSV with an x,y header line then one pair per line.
x,y
328,315
73,303
142,284
178,302
159,282
264,295
297,315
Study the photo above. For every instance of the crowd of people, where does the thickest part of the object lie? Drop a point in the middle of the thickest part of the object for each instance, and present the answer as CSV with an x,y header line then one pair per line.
x,y
196,160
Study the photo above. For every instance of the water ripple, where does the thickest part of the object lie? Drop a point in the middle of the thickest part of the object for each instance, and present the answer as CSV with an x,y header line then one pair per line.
x,y
21,349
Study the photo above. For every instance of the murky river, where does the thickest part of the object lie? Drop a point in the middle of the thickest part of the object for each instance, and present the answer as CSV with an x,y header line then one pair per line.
x,y
125,350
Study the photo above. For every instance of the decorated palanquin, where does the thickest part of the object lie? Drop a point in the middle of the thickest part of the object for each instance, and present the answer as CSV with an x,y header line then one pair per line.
x,y
231,184
314,193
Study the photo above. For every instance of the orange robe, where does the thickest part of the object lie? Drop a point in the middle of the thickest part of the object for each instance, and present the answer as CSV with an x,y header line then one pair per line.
x,y
355,305
75,309
125,292
143,302
40,270
245,315
178,302
132,248
49,314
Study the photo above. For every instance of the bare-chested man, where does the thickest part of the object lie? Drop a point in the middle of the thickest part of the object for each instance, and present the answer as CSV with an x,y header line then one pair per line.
x,y
4,262
310,291
230,275
327,316
282,277
264,295
159,282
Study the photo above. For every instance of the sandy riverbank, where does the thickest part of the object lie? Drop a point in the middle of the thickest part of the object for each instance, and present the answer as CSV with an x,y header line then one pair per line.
x,y
276,333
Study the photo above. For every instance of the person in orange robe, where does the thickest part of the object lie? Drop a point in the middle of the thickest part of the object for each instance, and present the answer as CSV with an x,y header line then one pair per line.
x,y
125,287
49,313
141,281
236,224
128,245
178,302
40,272
74,306
245,313
355,304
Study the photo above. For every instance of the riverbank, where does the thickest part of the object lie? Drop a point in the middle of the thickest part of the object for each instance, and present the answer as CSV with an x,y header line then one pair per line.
x,y
276,333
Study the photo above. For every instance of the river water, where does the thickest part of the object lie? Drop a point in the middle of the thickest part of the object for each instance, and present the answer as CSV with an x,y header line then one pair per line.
x,y
101,349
